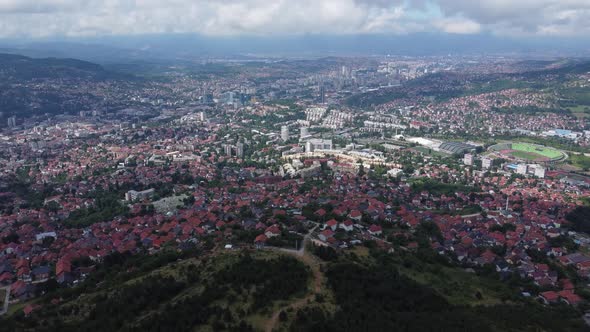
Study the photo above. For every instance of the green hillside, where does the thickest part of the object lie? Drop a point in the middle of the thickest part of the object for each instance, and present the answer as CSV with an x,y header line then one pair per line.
x,y
360,290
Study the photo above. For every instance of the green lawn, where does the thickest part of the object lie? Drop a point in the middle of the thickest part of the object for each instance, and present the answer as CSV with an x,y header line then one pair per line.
x,y
525,155
533,149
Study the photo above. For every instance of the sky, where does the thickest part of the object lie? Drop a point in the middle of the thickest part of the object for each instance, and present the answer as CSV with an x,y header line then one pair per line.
x,y
38,19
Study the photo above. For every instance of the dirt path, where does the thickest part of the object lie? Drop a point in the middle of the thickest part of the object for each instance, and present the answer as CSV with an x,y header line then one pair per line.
x,y
318,280
4,308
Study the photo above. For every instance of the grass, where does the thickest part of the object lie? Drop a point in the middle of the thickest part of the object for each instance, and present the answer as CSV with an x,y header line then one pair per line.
x,y
536,150
580,160
525,155
580,111
457,286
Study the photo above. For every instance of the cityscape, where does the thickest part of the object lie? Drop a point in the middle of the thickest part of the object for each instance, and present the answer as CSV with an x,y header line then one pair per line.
x,y
347,191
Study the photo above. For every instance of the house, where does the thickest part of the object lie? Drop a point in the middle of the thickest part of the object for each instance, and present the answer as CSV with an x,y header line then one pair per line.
x,y
260,241
27,310
355,215
272,231
332,224
569,297
326,234
348,226
375,230
6,278
41,272
20,290
63,271
549,297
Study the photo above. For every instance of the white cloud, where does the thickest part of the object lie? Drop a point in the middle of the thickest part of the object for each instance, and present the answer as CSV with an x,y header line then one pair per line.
x,y
524,17
41,18
458,26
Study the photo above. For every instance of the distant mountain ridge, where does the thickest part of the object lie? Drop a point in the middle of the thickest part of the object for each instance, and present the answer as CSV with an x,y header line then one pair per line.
x,y
21,68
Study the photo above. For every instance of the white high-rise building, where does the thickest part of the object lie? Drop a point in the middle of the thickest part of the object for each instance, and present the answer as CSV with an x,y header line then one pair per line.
x,y
522,169
304,132
12,122
240,150
468,159
285,133
228,149
486,163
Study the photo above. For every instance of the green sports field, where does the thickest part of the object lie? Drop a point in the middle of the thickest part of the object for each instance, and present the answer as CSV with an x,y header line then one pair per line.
x,y
528,151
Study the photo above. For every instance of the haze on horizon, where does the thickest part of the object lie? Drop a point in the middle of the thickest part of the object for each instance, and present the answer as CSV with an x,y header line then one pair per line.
x,y
419,26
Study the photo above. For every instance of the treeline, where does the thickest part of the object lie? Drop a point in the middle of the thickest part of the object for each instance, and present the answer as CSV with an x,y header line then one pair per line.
x,y
439,188
106,207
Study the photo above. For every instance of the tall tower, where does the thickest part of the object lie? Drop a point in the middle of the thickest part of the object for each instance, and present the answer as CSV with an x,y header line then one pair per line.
x,y
12,122
240,150
304,132
284,133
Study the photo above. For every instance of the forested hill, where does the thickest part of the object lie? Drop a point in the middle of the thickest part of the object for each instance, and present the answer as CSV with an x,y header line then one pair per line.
x,y
365,289
17,68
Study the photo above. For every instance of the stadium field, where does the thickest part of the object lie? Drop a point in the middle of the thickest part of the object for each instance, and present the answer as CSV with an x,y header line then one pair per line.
x,y
536,149
524,155
528,152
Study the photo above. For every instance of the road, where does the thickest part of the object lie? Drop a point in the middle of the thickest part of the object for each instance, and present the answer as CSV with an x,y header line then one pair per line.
x,y
5,306
318,280
301,251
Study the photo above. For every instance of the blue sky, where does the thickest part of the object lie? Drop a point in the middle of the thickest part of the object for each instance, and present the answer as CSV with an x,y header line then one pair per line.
x,y
91,18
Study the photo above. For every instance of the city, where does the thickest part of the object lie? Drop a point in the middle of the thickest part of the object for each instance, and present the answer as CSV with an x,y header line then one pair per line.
x,y
295,193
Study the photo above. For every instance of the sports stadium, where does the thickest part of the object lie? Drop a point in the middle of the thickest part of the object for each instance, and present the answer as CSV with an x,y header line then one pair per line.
x,y
527,152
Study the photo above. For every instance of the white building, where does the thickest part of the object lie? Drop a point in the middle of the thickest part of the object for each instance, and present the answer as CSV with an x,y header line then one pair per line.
x,y
303,133
540,171
468,159
486,163
522,169
240,150
133,195
284,133
318,144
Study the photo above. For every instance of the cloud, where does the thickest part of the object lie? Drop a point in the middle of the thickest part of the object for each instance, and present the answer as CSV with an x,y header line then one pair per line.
x,y
458,26
524,17
44,18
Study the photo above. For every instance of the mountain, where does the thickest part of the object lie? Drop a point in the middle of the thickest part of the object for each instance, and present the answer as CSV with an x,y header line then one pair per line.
x,y
21,68
162,47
